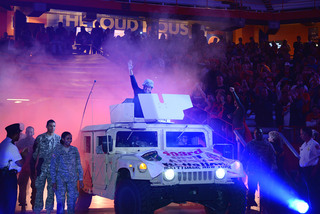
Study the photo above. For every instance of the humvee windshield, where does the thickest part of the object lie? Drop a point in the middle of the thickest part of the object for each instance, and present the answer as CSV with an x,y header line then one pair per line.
x,y
185,139
136,139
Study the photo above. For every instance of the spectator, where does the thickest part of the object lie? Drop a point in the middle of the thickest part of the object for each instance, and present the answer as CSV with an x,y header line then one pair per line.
x,y
227,108
97,37
240,47
298,49
263,108
83,40
198,97
315,135
281,172
275,139
297,118
4,42
313,118
61,36
220,86
43,39
284,51
238,115
259,161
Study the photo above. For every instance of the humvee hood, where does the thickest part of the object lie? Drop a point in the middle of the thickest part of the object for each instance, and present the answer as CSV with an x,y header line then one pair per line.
x,y
188,160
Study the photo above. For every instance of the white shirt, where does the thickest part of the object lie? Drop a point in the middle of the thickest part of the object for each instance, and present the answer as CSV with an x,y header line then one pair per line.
x,y
9,151
309,153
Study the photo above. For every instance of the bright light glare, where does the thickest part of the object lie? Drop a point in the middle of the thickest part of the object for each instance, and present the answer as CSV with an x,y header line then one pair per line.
x,y
169,174
237,165
220,173
298,205
22,100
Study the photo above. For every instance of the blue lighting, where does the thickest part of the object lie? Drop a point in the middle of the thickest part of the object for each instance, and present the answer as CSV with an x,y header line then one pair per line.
x,y
277,189
298,205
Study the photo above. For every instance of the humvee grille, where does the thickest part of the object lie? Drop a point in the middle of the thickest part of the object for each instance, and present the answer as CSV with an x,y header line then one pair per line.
x,y
195,176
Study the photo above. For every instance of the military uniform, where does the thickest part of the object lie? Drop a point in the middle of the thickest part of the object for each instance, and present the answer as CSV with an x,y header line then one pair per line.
x,y
65,171
42,154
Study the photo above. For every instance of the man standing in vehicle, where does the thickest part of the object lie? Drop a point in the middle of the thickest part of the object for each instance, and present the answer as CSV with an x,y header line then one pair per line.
x,y
147,88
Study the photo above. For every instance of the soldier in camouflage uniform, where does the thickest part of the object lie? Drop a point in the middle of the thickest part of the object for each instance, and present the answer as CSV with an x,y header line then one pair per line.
x,y
46,143
65,171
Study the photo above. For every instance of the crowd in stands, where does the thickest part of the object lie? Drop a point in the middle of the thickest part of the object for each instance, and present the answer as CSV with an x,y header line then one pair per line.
x,y
281,91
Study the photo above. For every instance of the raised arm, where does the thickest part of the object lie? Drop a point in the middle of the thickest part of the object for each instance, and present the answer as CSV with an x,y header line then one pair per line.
x,y
134,83
235,96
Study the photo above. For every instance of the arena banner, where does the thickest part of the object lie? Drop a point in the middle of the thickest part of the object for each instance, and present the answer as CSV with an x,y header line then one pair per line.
x,y
182,159
74,19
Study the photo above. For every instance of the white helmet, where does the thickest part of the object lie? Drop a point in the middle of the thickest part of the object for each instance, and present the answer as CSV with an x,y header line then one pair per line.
x,y
148,83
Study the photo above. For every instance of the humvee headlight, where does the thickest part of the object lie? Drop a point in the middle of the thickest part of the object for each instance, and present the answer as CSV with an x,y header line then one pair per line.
x,y
142,167
220,173
168,174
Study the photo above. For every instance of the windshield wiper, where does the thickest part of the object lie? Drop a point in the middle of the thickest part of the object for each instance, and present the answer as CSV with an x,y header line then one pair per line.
x,y
183,131
129,136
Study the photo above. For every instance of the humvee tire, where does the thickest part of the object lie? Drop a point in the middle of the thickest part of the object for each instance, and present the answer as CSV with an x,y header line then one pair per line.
x,y
83,201
132,197
237,198
231,200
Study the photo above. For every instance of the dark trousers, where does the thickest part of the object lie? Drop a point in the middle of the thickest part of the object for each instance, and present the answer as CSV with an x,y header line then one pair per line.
x,y
312,182
33,192
253,181
8,191
23,182
263,179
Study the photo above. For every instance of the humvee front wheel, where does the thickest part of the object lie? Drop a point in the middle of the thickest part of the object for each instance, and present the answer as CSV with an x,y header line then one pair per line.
x,y
131,197
230,199
237,197
83,201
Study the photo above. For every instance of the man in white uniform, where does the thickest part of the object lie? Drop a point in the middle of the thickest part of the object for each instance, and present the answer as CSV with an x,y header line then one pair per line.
x,y
10,164
309,159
